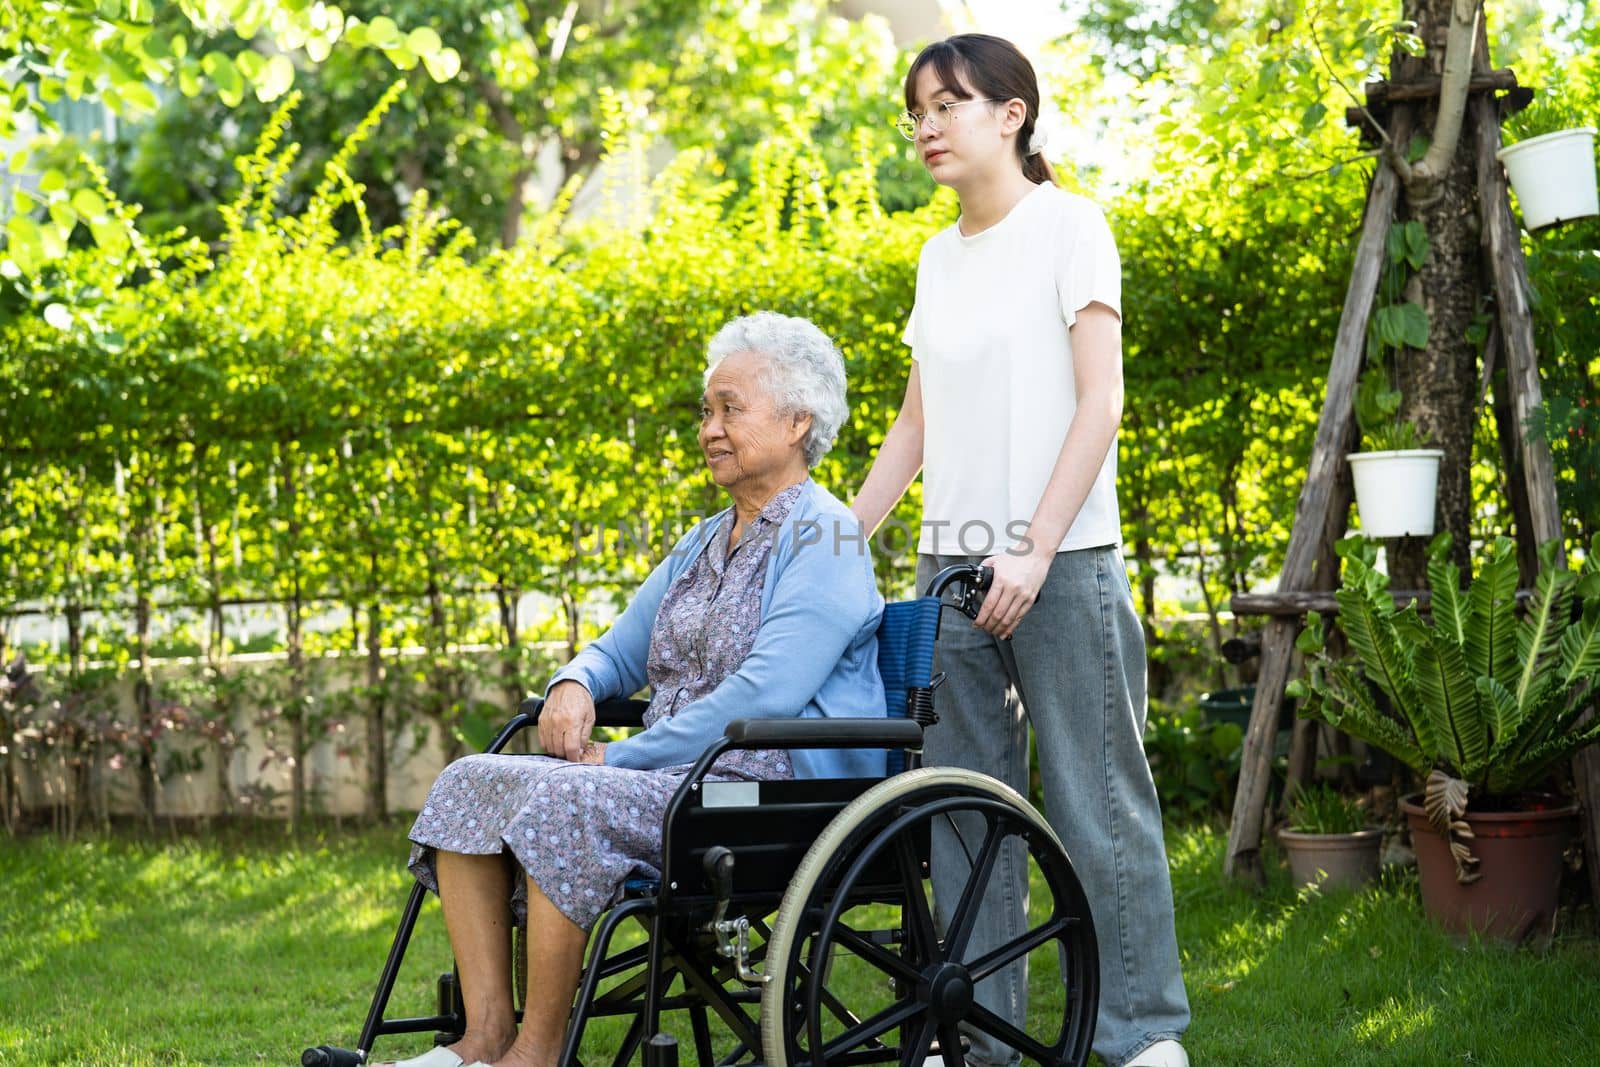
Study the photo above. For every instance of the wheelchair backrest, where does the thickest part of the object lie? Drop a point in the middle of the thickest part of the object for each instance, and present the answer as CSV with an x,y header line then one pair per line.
x,y
906,637
770,825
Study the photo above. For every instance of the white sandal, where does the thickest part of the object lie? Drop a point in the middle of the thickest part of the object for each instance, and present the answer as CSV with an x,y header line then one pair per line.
x,y
438,1056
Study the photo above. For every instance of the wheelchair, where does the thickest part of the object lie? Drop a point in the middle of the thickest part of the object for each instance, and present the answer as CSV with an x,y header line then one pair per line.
x,y
799,913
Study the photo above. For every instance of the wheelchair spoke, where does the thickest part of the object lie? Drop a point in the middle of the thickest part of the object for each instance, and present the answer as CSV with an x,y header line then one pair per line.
x,y
879,957
982,1018
869,1029
918,918
971,900
991,962
916,1050
950,1046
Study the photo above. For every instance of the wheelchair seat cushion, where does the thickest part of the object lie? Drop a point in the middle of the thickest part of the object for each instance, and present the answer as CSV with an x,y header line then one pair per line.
x,y
580,831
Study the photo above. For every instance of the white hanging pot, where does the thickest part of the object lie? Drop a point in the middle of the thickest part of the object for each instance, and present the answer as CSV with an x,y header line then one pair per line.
x,y
1554,176
1396,491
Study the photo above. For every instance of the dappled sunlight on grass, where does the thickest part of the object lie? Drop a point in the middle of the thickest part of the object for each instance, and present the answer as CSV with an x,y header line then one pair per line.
x,y
140,953
1392,1020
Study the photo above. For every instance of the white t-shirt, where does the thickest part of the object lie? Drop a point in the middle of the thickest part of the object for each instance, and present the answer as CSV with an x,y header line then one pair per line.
x,y
989,334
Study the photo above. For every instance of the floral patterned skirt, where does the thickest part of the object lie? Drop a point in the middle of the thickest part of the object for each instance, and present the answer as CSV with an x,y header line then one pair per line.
x,y
578,830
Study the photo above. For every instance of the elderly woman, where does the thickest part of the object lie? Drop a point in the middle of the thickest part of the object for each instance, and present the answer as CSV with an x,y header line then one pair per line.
x,y
758,611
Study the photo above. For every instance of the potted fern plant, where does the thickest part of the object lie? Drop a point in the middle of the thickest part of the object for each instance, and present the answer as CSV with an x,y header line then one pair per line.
x,y
1328,839
1481,704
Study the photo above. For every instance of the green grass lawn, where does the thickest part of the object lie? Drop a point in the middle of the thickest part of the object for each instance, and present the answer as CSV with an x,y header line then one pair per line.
x,y
245,949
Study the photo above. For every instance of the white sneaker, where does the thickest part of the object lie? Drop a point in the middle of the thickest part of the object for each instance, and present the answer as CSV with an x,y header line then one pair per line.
x,y
1167,1053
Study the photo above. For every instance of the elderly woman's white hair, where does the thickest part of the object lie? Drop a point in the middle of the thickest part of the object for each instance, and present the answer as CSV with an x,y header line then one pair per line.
x,y
804,372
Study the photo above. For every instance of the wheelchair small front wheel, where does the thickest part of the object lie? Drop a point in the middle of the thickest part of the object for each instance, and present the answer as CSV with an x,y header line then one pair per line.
x,y
863,967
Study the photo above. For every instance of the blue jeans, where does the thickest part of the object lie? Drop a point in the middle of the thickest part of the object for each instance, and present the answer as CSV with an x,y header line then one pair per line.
x,y
1076,668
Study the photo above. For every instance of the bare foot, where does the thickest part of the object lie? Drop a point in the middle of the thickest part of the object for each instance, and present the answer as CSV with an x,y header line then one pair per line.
x,y
472,1048
482,1048
521,1054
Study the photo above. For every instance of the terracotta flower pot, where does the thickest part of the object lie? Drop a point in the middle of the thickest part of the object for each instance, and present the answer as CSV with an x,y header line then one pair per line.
x,y
1338,861
1520,860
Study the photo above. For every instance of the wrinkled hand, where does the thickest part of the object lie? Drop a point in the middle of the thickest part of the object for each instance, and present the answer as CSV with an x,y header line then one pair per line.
x,y
594,752
1015,586
567,721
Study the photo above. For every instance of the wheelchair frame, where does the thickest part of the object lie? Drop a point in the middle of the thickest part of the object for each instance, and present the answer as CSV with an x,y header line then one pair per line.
x,y
858,841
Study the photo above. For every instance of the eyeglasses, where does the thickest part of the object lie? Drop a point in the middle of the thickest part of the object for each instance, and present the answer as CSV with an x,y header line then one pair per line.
x,y
937,116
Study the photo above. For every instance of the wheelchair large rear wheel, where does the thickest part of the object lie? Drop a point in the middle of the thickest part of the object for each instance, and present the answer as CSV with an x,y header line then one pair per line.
x,y
863,968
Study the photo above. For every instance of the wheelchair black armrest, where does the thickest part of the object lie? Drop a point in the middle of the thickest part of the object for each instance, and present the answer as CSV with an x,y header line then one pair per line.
x,y
616,712
823,733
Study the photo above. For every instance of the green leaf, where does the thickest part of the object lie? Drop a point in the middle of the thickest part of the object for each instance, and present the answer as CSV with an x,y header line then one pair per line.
x,y
23,243
1537,763
1413,325
1504,716
423,41
1348,706
1386,324
250,64
1310,640
1580,647
383,33
52,181
1416,244
89,204
1491,642
443,65
1394,243
1449,695
1365,614
1312,117
225,76
1444,581
1539,633
63,216
275,79
111,235
137,96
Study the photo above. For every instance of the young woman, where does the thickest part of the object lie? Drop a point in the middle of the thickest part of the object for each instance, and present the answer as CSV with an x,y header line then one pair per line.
x,y
1011,413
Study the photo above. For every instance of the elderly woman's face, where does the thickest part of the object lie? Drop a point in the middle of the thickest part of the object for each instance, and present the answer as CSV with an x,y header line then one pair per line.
x,y
742,433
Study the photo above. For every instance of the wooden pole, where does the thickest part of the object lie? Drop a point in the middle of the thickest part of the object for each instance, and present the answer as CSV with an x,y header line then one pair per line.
x,y
1509,269
1317,522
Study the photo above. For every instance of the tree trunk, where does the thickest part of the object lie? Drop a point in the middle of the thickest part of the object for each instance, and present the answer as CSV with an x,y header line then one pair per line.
x,y
377,737
143,703
1440,382
293,615
510,671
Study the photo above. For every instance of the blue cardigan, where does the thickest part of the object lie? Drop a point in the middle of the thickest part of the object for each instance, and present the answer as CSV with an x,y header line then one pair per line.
x,y
815,654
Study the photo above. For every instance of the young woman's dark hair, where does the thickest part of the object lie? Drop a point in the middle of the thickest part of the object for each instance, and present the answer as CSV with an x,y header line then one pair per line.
x,y
997,70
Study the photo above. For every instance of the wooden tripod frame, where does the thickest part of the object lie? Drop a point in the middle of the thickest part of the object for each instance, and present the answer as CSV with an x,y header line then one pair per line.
x,y
1310,565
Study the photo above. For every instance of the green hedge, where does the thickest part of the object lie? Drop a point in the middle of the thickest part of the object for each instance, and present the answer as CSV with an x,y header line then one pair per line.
x,y
414,429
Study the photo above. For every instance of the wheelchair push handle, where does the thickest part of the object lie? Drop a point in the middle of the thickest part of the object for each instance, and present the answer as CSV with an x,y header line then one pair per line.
x,y
971,581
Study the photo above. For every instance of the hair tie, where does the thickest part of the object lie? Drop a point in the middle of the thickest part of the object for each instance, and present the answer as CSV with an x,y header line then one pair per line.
x,y
1038,139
